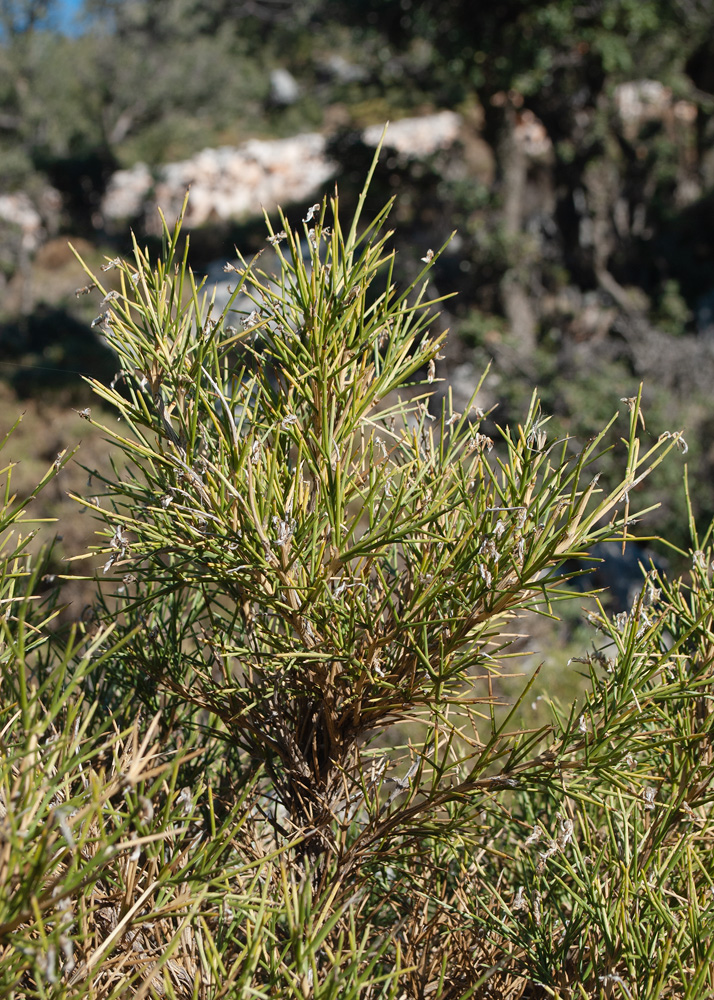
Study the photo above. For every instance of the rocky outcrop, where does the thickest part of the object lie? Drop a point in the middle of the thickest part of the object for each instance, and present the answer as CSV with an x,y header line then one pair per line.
x,y
417,137
225,183
33,219
128,195
640,101
234,182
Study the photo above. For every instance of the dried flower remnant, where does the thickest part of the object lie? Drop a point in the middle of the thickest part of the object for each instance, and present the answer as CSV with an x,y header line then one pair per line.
x,y
489,550
606,980
47,964
284,531
519,903
311,212
185,801
537,437
621,621
679,441
652,594
689,815
110,264
631,403
100,319
431,371
504,781
699,561
85,290
566,832
649,795
545,856
61,817
120,547
400,784
67,946
534,836
481,443
428,258
277,238
251,320
146,809
644,624
595,620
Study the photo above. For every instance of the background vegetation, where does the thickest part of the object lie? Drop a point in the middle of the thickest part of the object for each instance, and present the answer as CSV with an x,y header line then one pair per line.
x,y
583,268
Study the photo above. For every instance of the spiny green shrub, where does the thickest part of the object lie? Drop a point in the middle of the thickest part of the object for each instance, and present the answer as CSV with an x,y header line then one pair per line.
x,y
314,574
95,835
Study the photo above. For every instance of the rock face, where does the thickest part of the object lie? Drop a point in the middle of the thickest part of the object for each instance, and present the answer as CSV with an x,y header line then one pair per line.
x,y
236,182
284,88
128,194
226,183
416,137
33,219
641,101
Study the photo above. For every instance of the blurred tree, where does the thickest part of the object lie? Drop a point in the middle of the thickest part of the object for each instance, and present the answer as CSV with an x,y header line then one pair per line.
x,y
554,60
138,80
17,17
529,45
